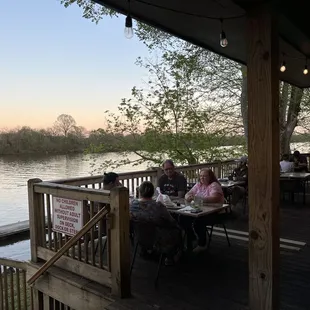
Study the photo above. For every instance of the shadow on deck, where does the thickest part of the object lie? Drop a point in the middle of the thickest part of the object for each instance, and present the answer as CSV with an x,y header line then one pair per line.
x,y
219,279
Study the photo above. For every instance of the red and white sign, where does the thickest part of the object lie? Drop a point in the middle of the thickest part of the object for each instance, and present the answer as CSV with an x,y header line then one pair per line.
x,y
67,215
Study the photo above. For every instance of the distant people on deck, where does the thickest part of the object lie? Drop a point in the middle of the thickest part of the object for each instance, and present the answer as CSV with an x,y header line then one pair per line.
x,y
285,164
172,183
300,162
110,180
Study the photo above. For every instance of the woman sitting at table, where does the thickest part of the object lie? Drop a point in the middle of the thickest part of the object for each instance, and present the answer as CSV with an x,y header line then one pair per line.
x,y
210,191
168,233
208,188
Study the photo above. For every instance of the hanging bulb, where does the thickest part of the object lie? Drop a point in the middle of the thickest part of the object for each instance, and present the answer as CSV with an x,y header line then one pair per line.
x,y
223,39
128,27
283,68
305,70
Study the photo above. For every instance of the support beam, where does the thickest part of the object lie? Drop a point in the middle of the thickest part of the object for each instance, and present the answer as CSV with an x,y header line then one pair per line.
x,y
263,116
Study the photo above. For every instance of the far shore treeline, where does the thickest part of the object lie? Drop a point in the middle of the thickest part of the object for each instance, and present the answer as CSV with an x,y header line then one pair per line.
x,y
26,140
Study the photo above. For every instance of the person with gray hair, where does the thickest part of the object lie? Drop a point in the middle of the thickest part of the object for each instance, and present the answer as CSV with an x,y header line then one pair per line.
x,y
172,183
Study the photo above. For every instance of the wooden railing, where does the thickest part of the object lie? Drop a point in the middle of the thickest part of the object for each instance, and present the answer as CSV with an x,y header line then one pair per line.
x,y
134,178
14,292
85,257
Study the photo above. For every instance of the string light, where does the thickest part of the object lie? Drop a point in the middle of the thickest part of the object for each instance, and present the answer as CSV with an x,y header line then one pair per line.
x,y
223,38
283,66
128,32
306,67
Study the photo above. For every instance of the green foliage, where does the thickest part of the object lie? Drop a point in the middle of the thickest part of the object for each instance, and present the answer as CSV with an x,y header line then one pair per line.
x,y
91,10
170,117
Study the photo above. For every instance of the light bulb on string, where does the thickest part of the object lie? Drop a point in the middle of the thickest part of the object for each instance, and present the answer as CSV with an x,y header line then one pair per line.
x,y
306,67
223,38
305,70
128,27
283,67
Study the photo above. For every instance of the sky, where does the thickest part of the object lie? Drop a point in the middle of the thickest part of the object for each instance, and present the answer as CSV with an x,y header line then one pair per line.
x,y
53,61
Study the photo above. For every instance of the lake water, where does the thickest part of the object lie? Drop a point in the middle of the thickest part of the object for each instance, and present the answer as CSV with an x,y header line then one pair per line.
x,y
16,171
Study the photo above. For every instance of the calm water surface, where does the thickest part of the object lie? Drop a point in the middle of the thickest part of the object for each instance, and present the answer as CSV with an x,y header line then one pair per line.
x,y
16,171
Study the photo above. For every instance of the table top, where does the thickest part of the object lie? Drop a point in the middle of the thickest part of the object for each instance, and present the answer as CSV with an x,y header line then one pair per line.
x,y
295,175
207,209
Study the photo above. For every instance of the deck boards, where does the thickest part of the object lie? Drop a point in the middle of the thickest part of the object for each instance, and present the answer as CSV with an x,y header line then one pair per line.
x,y
219,279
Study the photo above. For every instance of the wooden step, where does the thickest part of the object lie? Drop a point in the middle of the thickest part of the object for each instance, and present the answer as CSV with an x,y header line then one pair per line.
x,y
71,289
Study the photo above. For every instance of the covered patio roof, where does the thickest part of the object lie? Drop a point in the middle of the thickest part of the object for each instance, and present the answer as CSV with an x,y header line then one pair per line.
x,y
199,22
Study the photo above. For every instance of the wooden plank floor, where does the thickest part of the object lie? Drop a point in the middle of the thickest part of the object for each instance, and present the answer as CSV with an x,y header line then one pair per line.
x,y
219,279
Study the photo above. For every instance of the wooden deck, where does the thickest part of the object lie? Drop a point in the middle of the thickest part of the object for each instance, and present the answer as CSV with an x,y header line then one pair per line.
x,y
219,279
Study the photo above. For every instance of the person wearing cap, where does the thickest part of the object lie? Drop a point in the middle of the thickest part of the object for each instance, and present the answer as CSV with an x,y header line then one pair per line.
x,y
110,180
240,174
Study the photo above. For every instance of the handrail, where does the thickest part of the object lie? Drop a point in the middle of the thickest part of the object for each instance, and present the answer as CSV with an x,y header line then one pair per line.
x,y
69,244
13,263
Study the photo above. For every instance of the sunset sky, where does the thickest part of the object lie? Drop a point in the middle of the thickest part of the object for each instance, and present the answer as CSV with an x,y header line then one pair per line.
x,y
53,61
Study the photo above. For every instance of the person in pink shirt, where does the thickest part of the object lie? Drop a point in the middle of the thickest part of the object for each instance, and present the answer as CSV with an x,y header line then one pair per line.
x,y
210,191
208,188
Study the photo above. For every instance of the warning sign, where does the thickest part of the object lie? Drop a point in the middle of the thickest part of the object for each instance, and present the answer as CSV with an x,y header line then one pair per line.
x,y
67,215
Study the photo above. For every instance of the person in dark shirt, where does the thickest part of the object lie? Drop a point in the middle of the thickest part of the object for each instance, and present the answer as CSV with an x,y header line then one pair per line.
x,y
110,180
300,161
240,174
171,182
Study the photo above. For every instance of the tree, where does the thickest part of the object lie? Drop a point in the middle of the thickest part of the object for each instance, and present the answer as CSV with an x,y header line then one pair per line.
x,y
65,124
225,81
170,117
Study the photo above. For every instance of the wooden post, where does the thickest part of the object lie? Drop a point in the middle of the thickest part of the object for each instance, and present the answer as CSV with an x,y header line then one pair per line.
x,y
263,114
36,214
120,242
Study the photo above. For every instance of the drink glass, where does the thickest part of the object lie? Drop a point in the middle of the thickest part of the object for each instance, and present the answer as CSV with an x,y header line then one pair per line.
x,y
198,202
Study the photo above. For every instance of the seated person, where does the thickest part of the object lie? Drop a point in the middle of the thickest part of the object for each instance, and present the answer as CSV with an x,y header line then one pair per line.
x,y
240,174
168,234
301,163
171,182
110,180
208,188
210,191
285,164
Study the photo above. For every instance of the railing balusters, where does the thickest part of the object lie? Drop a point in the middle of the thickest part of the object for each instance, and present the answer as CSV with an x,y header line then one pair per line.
x,y
49,221
1,289
5,285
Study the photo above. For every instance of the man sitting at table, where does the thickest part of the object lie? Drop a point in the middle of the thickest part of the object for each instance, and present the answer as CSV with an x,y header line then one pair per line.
x,y
285,164
240,174
300,162
171,182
